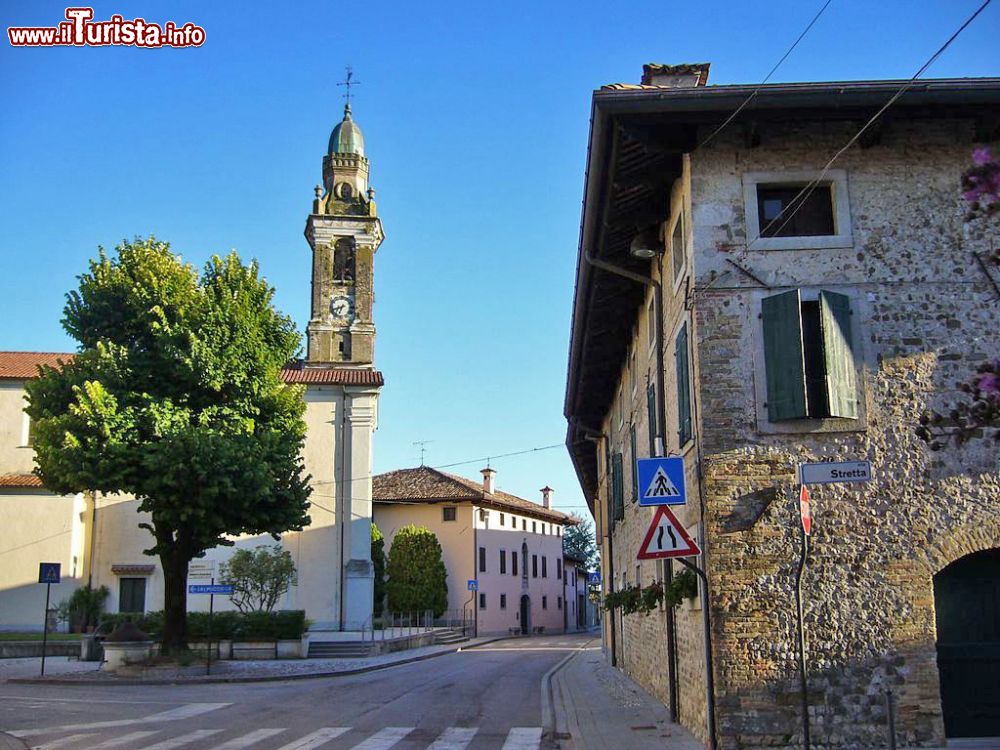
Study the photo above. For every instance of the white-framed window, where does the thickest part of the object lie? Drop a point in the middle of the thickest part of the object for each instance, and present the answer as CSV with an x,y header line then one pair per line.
x,y
633,374
651,325
779,216
678,255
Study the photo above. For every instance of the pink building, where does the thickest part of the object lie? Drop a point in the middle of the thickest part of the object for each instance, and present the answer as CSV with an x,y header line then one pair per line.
x,y
510,547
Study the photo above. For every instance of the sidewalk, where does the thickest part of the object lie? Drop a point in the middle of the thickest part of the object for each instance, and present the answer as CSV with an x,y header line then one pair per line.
x,y
11,743
64,671
596,707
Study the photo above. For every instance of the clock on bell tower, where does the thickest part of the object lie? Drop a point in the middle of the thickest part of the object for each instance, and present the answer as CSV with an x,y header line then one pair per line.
x,y
344,232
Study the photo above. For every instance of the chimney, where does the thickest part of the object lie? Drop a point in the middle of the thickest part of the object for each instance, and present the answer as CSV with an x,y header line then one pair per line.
x,y
675,76
547,496
488,476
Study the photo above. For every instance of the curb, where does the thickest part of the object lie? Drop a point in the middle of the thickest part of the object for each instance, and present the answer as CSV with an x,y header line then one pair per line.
x,y
11,743
549,727
263,678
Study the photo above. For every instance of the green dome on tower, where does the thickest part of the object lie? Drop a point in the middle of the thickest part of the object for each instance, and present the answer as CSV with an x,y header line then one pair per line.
x,y
346,138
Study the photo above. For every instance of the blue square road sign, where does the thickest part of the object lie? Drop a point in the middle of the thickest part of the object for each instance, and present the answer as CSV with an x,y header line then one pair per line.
x,y
49,572
661,481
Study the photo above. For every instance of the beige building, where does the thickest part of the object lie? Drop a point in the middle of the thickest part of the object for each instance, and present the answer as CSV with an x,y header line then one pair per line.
x,y
511,548
96,537
715,321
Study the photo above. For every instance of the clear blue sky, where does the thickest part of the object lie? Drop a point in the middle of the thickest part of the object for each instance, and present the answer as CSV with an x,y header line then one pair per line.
x,y
476,120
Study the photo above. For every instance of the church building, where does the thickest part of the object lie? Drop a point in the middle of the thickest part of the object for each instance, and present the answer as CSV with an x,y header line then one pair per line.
x,y
96,537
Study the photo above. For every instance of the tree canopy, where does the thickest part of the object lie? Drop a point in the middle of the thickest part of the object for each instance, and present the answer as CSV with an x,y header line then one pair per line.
x,y
417,576
176,398
378,567
578,542
259,576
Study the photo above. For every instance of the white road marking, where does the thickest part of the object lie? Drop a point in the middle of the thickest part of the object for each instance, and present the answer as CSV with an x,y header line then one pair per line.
x,y
317,738
61,742
523,738
249,739
184,712
384,739
126,740
454,738
184,739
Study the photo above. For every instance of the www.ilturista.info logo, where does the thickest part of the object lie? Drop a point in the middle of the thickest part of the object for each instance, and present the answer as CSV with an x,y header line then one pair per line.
x,y
79,30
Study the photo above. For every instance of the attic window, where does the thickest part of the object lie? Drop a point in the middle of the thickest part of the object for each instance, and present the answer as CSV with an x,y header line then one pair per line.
x,y
780,216
782,213
450,513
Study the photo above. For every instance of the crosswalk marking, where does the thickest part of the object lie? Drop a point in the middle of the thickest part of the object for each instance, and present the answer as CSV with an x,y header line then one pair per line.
x,y
454,738
127,740
61,742
317,738
184,712
184,739
523,738
384,738
249,739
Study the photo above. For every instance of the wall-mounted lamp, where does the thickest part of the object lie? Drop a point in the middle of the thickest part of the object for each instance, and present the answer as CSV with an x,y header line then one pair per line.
x,y
646,245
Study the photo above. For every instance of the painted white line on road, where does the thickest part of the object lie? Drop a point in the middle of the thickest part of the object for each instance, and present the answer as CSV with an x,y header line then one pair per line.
x,y
76,700
454,738
249,739
184,739
523,738
519,650
184,712
317,738
61,742
128,740
384,738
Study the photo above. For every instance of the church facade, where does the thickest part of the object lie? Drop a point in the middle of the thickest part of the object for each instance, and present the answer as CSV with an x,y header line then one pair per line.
x,y
96,537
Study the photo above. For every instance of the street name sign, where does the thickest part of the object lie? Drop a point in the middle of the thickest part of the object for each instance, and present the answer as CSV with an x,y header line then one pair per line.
x,y
201,570
472,584
666,537
834,473
661,481
210,588
49,572
805,513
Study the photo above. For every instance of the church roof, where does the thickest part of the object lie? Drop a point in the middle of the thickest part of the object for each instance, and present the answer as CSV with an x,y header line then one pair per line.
x,y
24,366
427,485
346,137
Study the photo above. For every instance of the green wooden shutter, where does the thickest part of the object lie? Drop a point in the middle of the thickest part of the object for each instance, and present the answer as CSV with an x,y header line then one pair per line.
x,y
618,486
635,457
838,354
783,358
683,387
651,418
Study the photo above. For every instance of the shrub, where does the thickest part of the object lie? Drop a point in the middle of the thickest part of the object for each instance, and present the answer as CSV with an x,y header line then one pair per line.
x,y
83,608
417,576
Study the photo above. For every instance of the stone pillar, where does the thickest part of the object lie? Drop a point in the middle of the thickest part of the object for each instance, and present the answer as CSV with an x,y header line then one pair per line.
x,y
356,500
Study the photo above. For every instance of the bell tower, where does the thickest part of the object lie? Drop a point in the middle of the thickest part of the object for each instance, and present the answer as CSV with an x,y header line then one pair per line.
x,y
344,232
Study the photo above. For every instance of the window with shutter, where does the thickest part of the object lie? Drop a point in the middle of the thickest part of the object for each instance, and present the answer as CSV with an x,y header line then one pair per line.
x,y
617,487
651,419
635,457
683,388
783,356
838,354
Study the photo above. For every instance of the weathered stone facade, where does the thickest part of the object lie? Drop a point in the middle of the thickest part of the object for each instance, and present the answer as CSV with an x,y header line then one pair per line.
x,y
923,315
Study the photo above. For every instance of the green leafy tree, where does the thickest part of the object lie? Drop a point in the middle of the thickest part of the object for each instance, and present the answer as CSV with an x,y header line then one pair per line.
x,y
418,580
176,397
259,577
579,542
378,566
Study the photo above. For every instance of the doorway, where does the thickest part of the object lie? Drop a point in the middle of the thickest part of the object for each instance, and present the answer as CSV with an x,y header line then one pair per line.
x,y
525,614
967,610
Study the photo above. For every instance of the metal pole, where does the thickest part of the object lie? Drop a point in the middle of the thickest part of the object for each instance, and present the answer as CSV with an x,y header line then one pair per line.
x,y
45,625
803,685
890,711
211,607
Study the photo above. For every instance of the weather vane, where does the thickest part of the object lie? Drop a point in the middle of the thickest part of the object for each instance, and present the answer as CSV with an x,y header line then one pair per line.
x,y
348,82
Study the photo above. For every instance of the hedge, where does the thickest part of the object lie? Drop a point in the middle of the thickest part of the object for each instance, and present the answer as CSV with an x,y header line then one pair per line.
x,y
228,625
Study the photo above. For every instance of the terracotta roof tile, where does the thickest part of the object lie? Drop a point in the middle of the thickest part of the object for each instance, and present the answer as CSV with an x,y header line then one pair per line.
x,y
428,485
24,366
19,480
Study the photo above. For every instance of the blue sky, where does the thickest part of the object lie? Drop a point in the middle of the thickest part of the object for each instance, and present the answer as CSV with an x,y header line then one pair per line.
x,y
476,120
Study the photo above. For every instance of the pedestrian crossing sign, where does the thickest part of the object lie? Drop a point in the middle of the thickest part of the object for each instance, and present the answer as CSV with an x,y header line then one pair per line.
x,y
661,481
48,572
667,537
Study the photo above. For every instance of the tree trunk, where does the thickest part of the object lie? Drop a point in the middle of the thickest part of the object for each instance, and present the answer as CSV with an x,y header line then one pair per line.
x,y
175,569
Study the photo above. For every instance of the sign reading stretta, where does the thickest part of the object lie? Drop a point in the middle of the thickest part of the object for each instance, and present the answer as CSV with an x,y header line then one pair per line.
x,y
831,473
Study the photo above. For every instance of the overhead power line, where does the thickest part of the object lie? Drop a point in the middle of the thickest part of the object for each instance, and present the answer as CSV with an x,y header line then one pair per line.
x,y
803,195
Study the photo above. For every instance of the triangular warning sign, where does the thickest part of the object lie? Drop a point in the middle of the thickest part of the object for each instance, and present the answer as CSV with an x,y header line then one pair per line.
x,y
666,538
660,486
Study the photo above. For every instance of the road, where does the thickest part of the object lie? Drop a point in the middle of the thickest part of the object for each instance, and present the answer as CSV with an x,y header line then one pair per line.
x,y
480,699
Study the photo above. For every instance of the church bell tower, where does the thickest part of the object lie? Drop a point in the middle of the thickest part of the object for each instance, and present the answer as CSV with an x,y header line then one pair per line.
x,y
344,232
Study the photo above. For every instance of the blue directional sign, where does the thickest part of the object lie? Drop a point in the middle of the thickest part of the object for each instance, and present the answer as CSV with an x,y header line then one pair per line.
x,y
49,572
661,481
210,588
473,584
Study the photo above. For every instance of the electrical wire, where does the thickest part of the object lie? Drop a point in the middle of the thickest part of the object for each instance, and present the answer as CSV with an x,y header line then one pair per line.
x,y
803,195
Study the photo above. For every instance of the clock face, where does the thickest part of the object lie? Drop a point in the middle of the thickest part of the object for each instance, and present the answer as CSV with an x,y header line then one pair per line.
x,y
341,306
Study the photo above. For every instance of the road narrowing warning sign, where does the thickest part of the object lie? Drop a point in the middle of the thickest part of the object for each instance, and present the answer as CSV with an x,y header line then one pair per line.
x,y
661,481
667,537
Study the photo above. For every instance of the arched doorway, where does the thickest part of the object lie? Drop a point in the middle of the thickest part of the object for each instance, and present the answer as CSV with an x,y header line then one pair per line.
x,y
967,609
525,614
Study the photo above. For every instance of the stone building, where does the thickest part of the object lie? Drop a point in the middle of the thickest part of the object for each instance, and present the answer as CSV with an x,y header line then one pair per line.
x,y
511,547
745,304
96,537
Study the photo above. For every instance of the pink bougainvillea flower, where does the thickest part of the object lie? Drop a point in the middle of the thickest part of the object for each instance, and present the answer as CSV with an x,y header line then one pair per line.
x,y
981,156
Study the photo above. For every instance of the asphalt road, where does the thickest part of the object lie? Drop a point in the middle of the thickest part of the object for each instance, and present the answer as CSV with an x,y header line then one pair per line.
x,y
483,698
